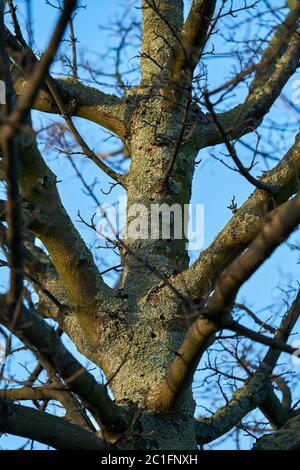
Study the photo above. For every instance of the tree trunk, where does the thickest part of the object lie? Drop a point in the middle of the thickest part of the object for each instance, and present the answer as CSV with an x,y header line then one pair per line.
x,y
155,327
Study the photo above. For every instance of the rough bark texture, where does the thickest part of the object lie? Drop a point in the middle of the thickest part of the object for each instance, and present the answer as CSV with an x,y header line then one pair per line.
x,y
287,438
134,331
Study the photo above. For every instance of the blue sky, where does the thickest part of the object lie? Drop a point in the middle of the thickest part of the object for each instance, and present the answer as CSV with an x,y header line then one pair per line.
x,y
214,185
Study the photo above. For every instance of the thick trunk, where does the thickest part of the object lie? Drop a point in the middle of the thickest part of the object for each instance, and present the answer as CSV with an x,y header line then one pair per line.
x,y
137,367
164,433
156,126
153,332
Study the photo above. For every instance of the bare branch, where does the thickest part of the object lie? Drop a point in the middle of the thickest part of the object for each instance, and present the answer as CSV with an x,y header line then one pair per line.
x,y
62,108
70,256
45,428
11,175
216,315
256,392
162,22
279,62
32,393
244,400
193,37
243,226
286,438
232,152
19,114
32,329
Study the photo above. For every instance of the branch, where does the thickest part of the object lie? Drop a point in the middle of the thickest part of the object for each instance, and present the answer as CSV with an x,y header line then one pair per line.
x,y
84,101
279,62
32,393
77,136
27,98
11,173
19,53
269,406
16,117
162,21
216,315
193,38
256,392
74,263
38,269
45,428
56,391
243,401
258,321
73,41
35,332
53,302
274,232
242,227
232,152
286,438
242,330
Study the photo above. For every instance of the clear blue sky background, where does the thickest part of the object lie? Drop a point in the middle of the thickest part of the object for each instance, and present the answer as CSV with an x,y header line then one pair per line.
x,y
214,184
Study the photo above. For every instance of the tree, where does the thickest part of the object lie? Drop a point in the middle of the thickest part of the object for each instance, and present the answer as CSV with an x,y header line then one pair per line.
x,y
149,333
